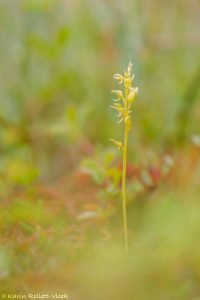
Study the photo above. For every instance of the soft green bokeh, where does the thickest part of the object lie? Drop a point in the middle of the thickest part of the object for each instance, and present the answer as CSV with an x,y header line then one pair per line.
x,y
57,61
60,205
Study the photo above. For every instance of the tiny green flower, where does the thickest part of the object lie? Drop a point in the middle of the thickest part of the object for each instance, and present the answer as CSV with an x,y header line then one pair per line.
x,y
132,94
117,143
118,77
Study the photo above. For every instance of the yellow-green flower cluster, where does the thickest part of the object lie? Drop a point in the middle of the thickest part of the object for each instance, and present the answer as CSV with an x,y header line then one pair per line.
x,y
122,104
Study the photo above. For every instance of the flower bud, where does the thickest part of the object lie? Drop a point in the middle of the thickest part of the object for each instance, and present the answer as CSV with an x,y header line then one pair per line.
x,y
130,65
131,96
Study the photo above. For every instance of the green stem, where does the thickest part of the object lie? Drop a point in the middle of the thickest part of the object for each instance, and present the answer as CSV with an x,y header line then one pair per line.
x,y
124,187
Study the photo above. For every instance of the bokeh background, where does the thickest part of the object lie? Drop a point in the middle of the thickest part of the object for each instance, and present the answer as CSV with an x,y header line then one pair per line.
x,y
57,60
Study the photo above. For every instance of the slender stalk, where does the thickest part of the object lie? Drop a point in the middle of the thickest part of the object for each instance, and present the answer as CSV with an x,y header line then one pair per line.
x,y
124,188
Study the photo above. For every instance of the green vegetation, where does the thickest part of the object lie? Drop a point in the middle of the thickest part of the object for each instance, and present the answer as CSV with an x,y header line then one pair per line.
x,y
61,229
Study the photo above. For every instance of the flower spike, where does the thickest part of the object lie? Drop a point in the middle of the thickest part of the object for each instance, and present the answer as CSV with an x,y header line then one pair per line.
x,y
124,113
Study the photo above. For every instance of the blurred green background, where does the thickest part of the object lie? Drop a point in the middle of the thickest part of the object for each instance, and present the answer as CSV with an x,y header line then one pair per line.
x,y
57,63
60,205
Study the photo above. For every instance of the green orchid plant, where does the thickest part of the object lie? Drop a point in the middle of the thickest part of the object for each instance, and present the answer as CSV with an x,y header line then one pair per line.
x,y
123,104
